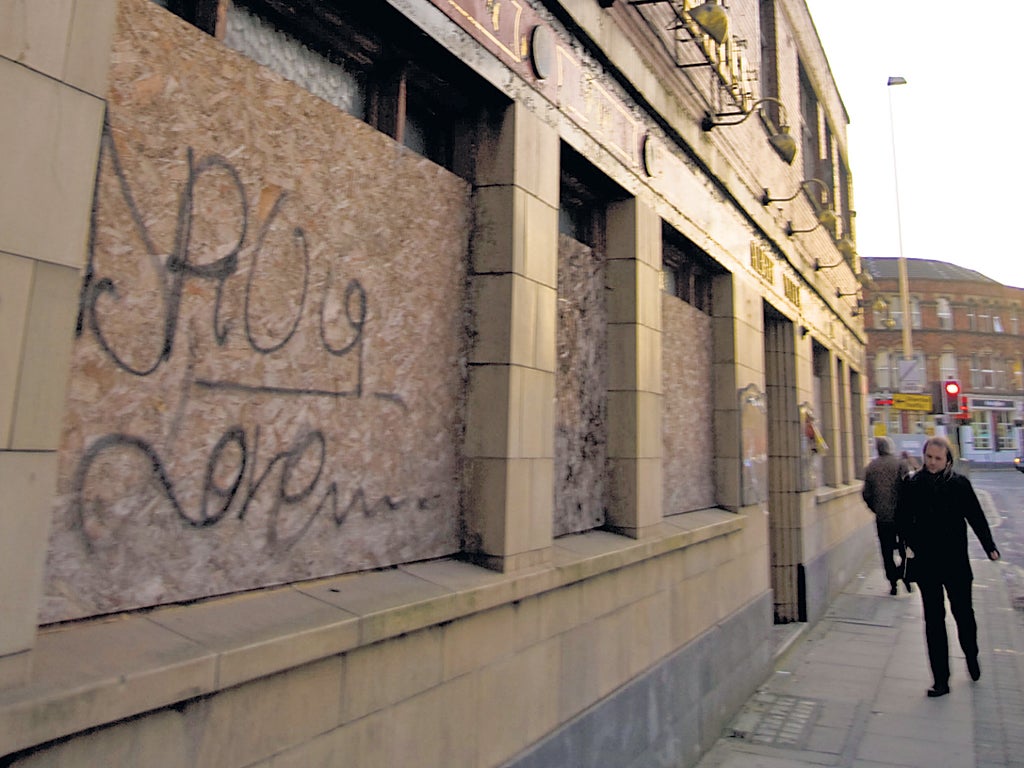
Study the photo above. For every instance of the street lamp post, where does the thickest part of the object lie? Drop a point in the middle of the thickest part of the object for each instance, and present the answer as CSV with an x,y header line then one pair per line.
x,y
908,350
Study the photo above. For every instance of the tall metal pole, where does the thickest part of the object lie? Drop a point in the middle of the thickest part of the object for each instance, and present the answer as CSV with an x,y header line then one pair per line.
x,y
908,350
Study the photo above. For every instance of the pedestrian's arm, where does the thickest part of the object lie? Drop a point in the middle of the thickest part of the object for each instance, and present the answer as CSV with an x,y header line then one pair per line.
x,y
867,492
975,516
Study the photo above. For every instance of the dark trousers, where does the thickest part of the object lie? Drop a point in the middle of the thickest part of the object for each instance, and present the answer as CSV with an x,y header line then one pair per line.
x,y
888,541
933,600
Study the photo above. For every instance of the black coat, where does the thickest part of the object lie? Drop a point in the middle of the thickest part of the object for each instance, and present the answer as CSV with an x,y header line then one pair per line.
x,y
932,517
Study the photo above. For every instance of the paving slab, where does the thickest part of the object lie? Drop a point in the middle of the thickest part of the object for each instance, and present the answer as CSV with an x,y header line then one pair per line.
x,y
850,690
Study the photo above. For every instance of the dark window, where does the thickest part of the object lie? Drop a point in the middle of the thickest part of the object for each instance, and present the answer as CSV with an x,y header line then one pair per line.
x,y
584,197
769,69
810,140
688,272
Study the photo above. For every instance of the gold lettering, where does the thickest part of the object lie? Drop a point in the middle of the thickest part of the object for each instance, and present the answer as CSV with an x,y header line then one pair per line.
x,y
761,261
792,290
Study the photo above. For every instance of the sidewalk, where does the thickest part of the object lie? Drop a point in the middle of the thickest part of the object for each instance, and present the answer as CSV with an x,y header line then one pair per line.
x,y
850,691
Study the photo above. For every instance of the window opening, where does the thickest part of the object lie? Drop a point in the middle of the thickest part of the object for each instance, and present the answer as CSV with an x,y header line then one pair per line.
x,y
944,310
809,132
947,365
367,60
982,429
1004,430
687,272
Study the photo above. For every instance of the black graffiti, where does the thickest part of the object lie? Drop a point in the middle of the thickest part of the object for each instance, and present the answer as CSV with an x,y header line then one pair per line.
x,y
101,294
236,459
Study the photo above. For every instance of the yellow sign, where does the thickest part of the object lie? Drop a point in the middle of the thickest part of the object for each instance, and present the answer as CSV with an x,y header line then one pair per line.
x,y
905,402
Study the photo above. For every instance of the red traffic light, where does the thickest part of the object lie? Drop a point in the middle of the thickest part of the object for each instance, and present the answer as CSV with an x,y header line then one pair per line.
x,y
952,387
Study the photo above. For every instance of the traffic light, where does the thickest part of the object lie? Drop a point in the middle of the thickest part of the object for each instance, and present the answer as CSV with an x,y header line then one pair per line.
x,y
965,413
951,396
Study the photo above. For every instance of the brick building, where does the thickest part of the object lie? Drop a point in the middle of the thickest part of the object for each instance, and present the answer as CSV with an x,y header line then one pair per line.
x,y
417,382
964,327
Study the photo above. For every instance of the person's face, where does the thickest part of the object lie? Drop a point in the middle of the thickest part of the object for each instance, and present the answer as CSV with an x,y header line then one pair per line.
x,y
934,458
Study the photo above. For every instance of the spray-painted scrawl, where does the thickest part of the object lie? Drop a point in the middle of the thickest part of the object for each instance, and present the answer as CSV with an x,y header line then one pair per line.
x,y
266,379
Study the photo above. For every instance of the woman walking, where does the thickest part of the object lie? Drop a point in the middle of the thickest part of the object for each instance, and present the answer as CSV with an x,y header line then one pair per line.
x,y
935,507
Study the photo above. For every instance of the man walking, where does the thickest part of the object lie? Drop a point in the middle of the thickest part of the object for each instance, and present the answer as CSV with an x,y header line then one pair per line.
x,y
881,491
934,511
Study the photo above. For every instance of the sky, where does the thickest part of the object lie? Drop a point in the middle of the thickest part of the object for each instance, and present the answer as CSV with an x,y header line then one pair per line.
x,y
949,140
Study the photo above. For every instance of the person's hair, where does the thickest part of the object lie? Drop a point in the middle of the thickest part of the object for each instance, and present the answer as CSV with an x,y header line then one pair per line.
x,y
884,445
942,442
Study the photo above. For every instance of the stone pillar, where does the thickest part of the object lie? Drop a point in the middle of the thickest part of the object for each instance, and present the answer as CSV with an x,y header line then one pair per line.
x,y
53,81
634,368
509,446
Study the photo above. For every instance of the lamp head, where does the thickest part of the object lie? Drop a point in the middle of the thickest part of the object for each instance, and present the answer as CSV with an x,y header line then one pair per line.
x,y
827,219
784,144
712,20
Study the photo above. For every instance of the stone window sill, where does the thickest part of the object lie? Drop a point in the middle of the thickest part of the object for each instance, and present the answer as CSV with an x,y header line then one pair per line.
x,y
827,494
89,673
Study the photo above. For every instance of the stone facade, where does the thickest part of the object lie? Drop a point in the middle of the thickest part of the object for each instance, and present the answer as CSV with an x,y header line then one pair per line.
x,y
385,432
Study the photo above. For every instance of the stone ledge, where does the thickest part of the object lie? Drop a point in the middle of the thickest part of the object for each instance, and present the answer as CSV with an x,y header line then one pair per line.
x,y
831,494
90,673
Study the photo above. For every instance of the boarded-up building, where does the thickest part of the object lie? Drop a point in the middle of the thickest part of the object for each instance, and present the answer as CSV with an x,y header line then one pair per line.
x,y
418,382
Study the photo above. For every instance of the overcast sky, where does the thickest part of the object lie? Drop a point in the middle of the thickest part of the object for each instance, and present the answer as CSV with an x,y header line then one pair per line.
x,y
959,154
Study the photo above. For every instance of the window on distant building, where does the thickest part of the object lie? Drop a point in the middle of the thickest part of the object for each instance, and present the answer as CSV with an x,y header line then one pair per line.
x,y
944,310
982,430
983,371
915,312
1004,430
972,316
947,365
984,319
1017,377
896,313
988,371
997,324
1014,322
883,374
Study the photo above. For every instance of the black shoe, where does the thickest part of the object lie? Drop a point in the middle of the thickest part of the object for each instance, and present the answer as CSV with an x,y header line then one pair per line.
x,y
974,668
937,690
908,585
892,589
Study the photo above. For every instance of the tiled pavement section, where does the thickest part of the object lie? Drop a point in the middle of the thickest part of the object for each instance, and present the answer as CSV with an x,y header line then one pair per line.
x,y
851,690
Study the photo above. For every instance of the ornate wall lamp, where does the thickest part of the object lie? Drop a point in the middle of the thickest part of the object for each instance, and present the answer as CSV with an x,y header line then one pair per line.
x,y
826,218
878,305
712,20
844,246
783,143
766,197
